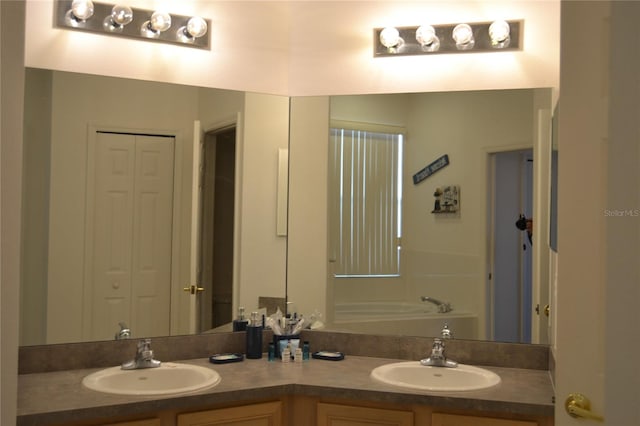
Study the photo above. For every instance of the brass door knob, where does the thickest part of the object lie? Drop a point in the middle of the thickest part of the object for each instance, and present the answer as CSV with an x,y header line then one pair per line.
x,y
193,289
547,310
578,406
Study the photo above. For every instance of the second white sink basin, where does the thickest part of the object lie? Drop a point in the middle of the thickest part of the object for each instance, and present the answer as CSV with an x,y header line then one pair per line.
x,y
414,375
169,378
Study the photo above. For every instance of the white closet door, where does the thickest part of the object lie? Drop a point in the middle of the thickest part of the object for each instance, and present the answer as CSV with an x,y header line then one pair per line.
x,y
129,244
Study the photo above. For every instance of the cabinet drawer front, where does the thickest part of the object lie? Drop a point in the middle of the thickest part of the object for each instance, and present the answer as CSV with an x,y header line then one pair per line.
x,y
440,419
347,415
266,414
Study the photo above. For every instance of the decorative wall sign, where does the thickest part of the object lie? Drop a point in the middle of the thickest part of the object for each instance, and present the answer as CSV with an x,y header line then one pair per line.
x,y
447,199
431,169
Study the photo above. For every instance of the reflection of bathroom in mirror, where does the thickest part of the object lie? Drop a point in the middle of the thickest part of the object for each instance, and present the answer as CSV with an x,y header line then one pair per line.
x,y
446,259
112,222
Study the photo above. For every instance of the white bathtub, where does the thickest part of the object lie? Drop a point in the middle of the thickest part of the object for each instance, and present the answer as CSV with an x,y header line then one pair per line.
x,y
408,319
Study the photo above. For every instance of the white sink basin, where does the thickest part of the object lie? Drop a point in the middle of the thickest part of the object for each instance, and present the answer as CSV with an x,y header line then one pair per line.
x,y
169,378
414,375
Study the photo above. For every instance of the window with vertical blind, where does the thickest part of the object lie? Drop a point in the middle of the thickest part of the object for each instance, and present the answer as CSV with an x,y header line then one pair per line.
x,y
365,199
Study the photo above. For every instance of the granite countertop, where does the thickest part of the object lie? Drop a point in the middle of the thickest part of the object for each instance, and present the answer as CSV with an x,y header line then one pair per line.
x,y
57,397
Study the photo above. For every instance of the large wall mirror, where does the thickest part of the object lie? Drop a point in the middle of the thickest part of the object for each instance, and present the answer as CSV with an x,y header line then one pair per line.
x,y
112,219
467,266
447,257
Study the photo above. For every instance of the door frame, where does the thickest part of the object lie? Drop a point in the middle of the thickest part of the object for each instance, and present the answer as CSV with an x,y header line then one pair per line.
x,y
489,153
236,121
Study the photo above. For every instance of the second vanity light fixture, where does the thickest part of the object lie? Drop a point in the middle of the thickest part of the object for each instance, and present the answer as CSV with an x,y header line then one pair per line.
x,y
449,38
123,20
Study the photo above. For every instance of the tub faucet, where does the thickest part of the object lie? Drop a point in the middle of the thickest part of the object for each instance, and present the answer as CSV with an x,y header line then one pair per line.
x,y
437,357
446,332
124,332
144,357
443,307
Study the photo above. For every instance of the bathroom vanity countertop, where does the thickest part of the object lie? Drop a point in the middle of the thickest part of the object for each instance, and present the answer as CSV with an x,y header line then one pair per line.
x,y
59,397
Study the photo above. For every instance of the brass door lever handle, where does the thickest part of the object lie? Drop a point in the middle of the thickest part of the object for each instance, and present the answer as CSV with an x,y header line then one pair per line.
x,y
578,406
193,289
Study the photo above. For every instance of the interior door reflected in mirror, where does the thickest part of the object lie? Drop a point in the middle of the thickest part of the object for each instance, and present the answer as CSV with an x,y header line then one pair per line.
x,y
110,207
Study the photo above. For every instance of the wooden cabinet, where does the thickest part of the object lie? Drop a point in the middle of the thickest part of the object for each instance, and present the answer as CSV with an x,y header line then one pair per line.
x,y
265,414
348,415
302,410
357,413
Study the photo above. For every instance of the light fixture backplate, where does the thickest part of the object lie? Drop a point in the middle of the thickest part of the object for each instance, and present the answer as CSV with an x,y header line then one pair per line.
x,y
447,44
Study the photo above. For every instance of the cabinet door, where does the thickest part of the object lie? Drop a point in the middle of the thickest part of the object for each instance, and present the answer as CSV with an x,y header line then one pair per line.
x,y
440,419
266,414
347,415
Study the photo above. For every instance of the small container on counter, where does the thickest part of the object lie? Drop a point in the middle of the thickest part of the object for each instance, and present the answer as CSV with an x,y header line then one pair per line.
x,y
271,352
254,337
240,323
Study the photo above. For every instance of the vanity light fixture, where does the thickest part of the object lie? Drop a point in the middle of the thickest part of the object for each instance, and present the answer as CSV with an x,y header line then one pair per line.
x,y
496,36
123,20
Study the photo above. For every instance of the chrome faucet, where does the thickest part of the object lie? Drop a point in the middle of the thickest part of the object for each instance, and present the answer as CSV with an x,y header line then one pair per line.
x,y
437,357
144,357
124,332
443,307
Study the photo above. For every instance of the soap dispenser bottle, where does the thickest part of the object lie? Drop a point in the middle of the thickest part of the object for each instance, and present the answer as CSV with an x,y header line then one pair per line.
x,y
254,337
240,324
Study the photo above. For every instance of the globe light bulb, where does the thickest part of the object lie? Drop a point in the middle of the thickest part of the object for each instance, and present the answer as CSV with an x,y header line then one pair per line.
x,y
196,27
390,37
499,32
120,16
82,9
463,36
160,21
426,37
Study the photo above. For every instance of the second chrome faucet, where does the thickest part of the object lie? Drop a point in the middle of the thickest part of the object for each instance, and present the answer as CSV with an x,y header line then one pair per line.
x,y
437,357
144,357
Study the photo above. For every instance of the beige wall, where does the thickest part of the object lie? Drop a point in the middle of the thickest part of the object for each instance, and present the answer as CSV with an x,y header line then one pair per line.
x,y
263,253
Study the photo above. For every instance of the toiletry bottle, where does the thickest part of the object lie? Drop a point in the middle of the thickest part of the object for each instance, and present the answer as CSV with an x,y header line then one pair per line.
x,y
286,354
305,351
272,352
240,324
254,337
